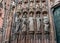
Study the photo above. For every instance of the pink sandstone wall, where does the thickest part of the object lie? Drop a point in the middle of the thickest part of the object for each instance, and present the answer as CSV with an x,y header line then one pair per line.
x,y
1,17
1,22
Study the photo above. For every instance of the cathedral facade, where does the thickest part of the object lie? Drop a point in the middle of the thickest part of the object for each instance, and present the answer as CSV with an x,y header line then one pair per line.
x,y
28,21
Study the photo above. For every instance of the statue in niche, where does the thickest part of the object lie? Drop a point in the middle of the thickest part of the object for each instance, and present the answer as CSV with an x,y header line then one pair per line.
x,y
46,22
16,17
24,21
17,21
38,20
31,21
45,18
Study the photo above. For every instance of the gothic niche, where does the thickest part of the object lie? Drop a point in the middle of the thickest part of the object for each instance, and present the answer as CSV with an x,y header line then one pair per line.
x,y
31,4
44,6
31,27
19,14
38,18
37,4
26,5
46,22
24,21
45,17
17,21
16,17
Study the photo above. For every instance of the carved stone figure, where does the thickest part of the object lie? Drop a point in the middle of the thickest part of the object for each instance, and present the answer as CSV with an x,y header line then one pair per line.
x,y
38,21
45,19
46,27
31,27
